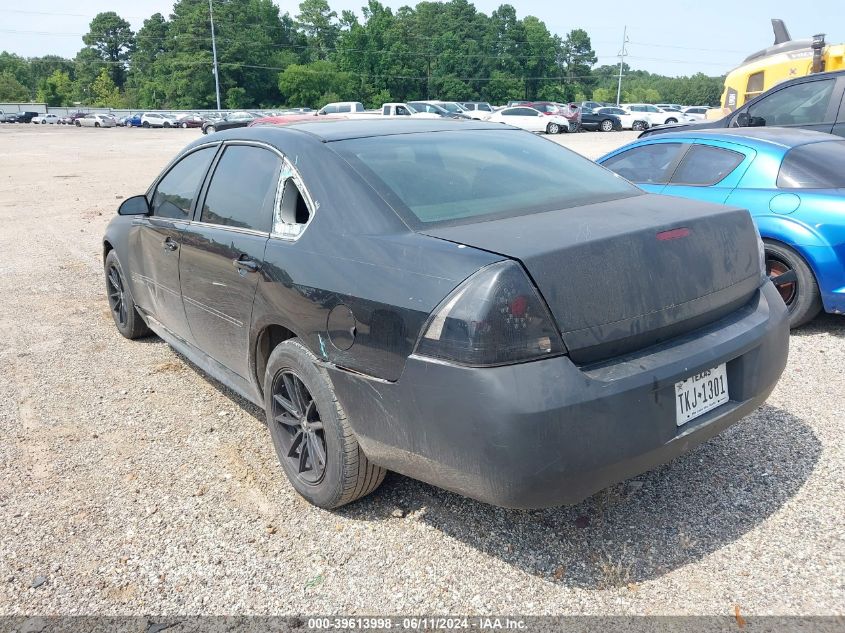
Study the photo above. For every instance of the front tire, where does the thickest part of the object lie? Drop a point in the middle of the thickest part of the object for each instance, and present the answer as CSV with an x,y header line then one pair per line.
x,y
552,128
670,120
184,125
313,440
77,123
145,124
121,304
96,125
801,296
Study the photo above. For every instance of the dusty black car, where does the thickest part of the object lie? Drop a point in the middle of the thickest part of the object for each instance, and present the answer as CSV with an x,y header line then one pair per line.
x,y
462,302
602,121
230,121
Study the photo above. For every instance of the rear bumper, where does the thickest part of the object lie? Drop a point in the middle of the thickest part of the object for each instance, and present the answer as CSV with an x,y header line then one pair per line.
x,y
548,433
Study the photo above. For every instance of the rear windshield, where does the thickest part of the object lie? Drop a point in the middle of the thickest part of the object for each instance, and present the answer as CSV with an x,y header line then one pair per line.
x,y
458,177
814,166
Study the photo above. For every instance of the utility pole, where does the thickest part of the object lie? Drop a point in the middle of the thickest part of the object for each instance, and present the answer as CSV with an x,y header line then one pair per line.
x,y
622,53
214,52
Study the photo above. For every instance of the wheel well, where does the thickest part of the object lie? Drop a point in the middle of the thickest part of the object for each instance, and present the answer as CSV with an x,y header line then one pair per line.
x,y
266,342
107,248
811,265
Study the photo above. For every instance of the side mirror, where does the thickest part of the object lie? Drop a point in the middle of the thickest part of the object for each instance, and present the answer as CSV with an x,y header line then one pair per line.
x,y
136,205
742,119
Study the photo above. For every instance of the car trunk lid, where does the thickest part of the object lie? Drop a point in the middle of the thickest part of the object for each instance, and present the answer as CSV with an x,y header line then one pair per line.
x,y
621,275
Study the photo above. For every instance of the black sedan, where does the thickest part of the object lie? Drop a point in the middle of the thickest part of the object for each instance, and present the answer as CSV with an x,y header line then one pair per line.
x,y
230,121
524,332
593,120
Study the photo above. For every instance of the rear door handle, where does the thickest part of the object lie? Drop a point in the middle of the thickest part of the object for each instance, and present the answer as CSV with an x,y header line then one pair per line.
x,y
169,244
246,264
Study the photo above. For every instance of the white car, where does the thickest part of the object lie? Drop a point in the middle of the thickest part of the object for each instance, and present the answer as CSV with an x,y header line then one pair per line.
x,y
96,120
342,107
696,113
630,120
531,120
43,119
157,119
656,116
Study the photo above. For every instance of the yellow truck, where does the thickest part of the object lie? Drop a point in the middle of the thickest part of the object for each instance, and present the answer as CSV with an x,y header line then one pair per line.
x,y
785,59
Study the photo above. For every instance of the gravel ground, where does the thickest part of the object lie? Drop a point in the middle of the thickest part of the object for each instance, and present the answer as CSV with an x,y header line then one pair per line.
x,y
133,484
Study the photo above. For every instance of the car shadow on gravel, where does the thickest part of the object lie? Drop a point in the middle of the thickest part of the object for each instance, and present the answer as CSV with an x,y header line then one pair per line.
x,y
637,530
833,324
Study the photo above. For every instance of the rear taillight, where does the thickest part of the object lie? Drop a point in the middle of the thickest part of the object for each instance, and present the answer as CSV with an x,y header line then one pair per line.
x,y
494,317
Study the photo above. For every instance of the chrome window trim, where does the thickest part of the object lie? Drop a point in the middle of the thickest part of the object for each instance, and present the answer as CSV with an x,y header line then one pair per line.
x,y
303,191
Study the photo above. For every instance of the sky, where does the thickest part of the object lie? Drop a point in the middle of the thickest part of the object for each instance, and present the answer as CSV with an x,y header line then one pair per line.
x,y
679,38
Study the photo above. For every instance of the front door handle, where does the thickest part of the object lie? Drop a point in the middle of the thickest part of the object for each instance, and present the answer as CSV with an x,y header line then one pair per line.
x,y
169,244
246,264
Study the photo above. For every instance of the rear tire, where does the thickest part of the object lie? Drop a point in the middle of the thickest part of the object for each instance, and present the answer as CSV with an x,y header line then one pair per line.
x,y
638,126
121,304
802,297
184,125
670,120
346,474
77,123
606,125
210,129
145,124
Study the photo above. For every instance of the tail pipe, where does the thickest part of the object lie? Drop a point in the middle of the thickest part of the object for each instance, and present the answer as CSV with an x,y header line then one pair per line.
x,y
818,47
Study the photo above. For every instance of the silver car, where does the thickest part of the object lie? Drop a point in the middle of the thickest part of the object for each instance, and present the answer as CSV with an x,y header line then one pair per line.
x,y
96,120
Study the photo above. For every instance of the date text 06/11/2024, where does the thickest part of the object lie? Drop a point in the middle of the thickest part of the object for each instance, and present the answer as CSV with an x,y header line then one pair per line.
x,y
417,623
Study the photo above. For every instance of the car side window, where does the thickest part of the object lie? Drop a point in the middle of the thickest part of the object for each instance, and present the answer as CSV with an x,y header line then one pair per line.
x,y
522,112
651,164
174,196
706,165
242,189
294,208
345,108
802,104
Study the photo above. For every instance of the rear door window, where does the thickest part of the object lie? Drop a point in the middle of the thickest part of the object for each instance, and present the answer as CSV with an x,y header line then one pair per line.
x,y
653,164
706,165
243,188
814,166
174,196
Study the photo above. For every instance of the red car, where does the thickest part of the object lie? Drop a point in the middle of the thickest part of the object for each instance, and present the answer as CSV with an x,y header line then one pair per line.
x,y
189,120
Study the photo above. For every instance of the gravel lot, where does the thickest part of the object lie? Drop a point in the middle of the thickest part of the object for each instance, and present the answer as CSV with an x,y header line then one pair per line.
x,y
132,484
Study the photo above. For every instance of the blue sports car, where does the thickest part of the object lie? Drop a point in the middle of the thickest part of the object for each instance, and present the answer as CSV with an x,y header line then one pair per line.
x,y
791,180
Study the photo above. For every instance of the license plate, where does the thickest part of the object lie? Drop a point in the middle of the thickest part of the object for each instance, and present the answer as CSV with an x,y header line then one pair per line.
x,y
701,393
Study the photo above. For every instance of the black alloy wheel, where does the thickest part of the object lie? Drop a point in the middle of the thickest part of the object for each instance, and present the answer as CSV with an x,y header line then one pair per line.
x,y
303,437
117,295
315,444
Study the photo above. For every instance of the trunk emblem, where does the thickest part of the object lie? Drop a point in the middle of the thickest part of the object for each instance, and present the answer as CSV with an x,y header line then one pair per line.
x,y
673,234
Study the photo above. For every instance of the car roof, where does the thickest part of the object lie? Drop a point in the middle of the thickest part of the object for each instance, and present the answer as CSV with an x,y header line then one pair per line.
x,y
340,130
782,136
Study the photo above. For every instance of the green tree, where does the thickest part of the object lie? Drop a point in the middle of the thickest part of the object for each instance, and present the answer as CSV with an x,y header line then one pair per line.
x,y
56,90
113,40
306,84
318,22
236,98
11,89
104,92
578,58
